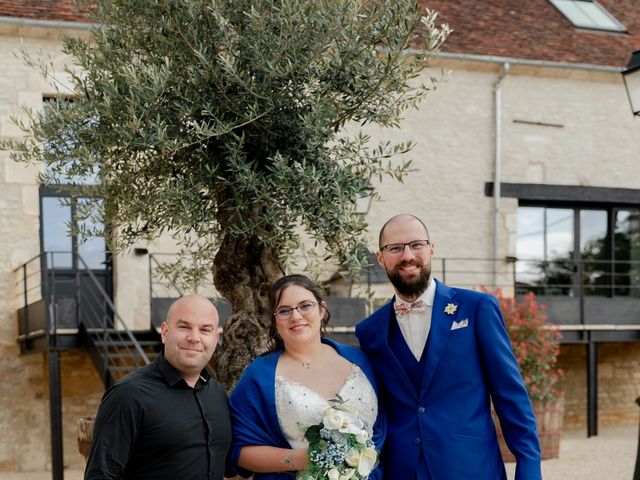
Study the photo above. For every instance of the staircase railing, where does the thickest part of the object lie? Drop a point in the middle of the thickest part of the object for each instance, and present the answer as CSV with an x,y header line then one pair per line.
x,y
118,351
50,298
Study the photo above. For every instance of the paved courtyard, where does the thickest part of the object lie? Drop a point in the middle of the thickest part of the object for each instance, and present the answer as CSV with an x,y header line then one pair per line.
x,y
609,456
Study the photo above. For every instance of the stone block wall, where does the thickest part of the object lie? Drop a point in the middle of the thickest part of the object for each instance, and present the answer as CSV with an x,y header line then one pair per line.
x,y
618,384
82,390
24,416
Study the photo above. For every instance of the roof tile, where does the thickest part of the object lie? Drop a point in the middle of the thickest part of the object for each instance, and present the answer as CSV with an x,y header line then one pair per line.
x,y
525,29
536,30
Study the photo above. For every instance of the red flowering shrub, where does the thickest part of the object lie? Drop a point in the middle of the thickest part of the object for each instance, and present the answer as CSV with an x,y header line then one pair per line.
x,y
535,342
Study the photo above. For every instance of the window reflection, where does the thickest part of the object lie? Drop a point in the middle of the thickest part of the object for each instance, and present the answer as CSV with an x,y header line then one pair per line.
x,y
609,261
627,253
558,262
544,249
530,245
59,243
593,252
55,232
90,247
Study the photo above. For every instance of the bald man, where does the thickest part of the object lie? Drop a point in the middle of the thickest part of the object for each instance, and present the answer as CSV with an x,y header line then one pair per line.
x,y
441,356
170,419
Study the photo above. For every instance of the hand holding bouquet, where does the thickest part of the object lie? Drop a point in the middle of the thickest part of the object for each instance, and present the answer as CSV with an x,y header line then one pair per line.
x,y
340,446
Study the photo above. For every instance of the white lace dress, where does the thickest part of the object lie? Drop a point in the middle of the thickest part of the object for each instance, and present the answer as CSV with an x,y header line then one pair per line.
x,y
299,407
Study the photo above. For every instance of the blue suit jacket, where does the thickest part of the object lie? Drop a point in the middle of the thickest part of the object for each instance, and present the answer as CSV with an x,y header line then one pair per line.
x,y
254,417
449,419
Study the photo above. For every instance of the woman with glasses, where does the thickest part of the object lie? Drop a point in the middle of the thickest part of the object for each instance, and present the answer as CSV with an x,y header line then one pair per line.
x,y
290,387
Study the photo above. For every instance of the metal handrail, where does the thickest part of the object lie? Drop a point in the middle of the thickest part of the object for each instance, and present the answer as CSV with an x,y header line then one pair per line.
x,y
121,323
99,325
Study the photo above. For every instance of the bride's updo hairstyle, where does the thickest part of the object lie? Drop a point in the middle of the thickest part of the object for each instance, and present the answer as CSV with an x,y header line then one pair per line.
x,y
274,342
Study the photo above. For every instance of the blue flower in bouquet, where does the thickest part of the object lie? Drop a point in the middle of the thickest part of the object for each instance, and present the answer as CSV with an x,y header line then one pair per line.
x,y
340,446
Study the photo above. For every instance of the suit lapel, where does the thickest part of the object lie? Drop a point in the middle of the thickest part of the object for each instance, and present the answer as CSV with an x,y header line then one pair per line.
x,y
438,333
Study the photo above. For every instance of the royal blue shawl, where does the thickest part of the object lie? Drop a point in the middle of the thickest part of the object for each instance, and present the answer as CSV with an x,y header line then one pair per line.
x,y
253,408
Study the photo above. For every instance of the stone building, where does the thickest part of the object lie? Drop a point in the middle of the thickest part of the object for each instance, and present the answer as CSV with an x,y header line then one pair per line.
x,y
527,175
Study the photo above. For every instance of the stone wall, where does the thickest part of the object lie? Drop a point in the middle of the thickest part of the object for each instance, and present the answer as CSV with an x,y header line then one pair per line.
x,y
24,398
82,390
23,413
24,417
618,384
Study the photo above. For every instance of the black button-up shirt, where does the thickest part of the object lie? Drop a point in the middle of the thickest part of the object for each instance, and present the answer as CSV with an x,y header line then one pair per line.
x,y
153,425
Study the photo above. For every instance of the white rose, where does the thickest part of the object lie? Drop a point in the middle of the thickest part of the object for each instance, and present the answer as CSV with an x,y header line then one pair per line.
x,y
333,474
352,457
368,459
348,473
363,436
351,424
333,419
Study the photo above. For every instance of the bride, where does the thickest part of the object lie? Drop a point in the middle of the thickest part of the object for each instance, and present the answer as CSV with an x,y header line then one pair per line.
x,y
289,387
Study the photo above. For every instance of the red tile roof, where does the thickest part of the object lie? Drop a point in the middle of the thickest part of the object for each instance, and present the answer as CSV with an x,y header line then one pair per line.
x,y
526,29
60,10
536,30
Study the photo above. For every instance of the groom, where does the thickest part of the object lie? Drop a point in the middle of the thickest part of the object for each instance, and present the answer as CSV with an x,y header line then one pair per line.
x,y
442,355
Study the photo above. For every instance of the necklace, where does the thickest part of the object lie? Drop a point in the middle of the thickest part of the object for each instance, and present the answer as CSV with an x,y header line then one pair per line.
x,y
306,365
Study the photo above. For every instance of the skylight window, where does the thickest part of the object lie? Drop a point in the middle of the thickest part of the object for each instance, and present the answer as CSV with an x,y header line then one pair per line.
x,y
588,14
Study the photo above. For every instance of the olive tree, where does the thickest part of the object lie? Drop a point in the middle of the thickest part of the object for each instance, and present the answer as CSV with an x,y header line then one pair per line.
x,y
222,123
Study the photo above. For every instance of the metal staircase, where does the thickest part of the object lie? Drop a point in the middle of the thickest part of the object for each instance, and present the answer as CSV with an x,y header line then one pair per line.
x,y
114,349
72,309
69,308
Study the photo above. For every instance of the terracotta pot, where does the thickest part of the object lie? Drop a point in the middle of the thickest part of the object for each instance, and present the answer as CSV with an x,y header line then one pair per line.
x,y
85,435
548,424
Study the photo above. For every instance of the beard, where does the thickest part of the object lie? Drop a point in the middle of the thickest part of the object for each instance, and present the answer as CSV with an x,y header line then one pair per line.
x,y
410,288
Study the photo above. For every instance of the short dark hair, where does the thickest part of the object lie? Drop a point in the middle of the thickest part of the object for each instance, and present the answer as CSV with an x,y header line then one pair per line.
x,y
395,217
274,342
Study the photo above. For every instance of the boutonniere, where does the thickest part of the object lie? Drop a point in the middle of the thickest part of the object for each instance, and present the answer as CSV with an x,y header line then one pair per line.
x,y
450,309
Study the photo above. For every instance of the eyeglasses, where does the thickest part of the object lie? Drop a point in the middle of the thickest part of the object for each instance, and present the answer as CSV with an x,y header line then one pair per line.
x,y
284,313
416,246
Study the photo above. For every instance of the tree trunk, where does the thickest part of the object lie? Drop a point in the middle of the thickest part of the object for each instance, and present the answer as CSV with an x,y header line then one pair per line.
x,y
244,271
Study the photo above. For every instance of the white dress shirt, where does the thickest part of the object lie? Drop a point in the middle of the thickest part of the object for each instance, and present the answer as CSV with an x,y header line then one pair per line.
x,y
416,324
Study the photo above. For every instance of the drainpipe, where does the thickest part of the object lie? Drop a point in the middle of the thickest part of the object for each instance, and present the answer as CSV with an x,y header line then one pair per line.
x,y
497,88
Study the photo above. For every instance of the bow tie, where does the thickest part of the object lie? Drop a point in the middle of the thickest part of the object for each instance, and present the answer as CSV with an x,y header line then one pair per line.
x,y
404,308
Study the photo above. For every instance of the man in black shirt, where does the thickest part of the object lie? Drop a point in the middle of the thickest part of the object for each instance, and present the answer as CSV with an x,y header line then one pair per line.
x,y
168,420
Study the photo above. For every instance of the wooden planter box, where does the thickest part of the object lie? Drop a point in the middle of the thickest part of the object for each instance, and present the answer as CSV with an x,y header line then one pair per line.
x,y
85,434
548,424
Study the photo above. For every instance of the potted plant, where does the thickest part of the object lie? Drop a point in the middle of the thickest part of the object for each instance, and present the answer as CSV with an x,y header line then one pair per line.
x,y
536,344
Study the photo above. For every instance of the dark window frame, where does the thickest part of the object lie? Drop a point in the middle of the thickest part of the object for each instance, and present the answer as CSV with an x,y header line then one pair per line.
x,y
611,210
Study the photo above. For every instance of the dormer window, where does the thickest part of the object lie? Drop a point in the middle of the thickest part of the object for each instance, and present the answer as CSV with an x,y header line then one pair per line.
x,y
588,14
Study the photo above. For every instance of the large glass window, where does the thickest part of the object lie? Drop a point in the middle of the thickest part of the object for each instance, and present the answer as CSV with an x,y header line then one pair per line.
x,y
545,249
57,240
627,252
562,251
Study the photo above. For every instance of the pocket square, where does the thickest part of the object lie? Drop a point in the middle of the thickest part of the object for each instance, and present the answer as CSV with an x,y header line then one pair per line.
x,y
461,324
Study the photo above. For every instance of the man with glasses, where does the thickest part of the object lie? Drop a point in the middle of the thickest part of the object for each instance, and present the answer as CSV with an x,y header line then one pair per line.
x,y
442,357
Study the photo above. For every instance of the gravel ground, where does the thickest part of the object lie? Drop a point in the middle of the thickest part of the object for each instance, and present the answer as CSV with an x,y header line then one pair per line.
x,y
609,456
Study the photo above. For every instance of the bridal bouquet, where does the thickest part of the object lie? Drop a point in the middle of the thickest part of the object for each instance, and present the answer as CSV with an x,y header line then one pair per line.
x,y
340,447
